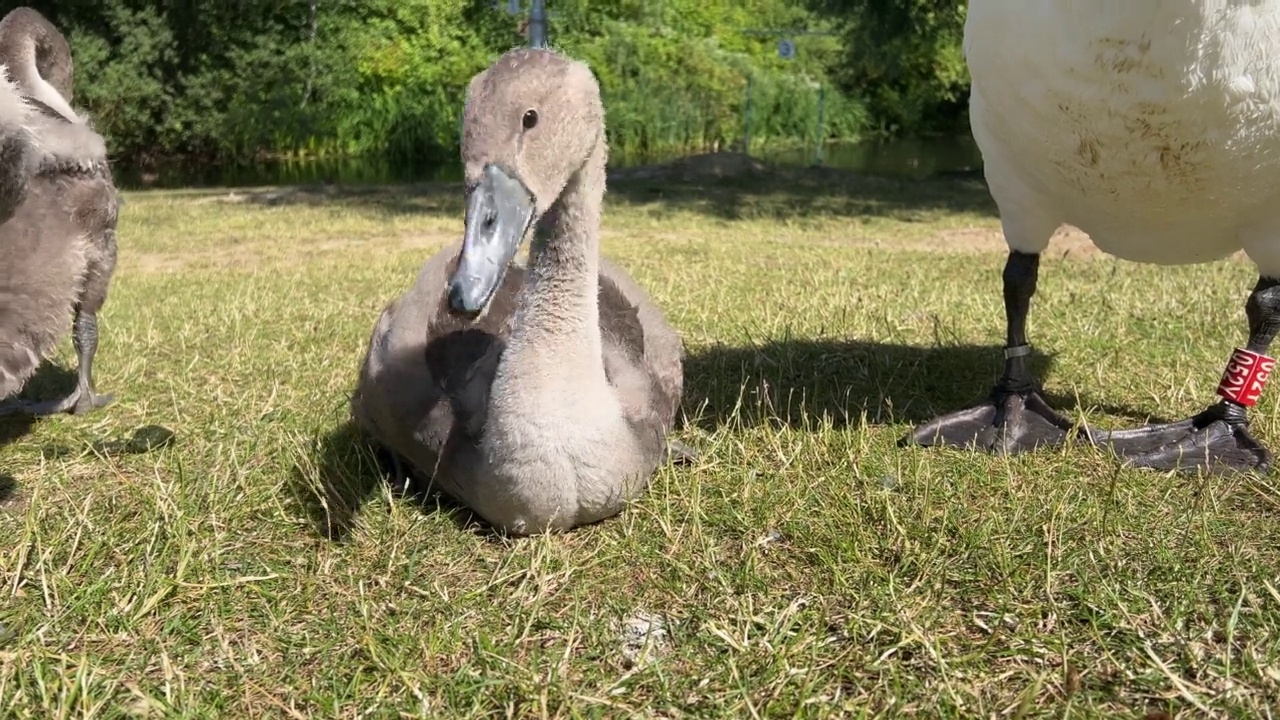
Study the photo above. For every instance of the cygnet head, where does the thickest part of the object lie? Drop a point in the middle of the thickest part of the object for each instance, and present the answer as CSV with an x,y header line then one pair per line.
x,y
532,121
28,36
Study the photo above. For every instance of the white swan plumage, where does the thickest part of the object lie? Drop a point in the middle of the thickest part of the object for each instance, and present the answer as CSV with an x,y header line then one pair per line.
x,y
1154,127
1151,125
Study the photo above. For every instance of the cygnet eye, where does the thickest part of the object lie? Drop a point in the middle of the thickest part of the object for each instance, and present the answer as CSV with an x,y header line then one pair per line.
x,y
530,119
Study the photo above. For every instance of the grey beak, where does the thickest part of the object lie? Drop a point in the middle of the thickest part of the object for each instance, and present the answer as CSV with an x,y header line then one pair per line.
x,y
499,213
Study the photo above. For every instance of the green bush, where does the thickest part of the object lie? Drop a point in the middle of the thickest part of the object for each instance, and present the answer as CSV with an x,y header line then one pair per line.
x,y
239,81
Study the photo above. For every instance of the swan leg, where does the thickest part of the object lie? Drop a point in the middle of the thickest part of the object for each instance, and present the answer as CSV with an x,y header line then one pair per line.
x,y
678,453
395,470
1015,418
1217,439
83,398
400,479
84,335
85,339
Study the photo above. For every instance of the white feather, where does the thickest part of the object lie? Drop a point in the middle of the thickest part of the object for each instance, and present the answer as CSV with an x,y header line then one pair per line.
x,y
15,112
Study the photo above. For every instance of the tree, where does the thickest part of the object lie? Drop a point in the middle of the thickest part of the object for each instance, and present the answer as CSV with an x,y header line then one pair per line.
x,y
241,80
905,58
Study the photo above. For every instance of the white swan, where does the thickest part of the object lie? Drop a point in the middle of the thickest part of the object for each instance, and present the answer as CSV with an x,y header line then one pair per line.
x,y
1153,126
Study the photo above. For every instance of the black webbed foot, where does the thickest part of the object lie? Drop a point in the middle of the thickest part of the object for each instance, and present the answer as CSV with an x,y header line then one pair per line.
x,y
1216,441
1008,422
88,400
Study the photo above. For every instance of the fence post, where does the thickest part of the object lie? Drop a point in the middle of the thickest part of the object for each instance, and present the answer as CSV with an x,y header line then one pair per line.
x,y
537,24
746,120
822,103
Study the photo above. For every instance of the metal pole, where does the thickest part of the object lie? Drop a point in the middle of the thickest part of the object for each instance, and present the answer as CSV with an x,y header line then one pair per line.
x,y
537,24
746,121
822,102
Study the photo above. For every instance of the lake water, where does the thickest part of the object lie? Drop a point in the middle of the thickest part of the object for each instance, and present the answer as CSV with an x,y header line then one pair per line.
x,y
915,158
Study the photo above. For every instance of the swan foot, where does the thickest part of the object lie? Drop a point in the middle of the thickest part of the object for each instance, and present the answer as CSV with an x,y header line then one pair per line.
x,y
1216,441
395,470
81,401
678,453
1007,423
1015,418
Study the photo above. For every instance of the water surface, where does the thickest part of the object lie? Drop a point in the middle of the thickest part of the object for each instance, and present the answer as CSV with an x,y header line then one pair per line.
x,y
915,158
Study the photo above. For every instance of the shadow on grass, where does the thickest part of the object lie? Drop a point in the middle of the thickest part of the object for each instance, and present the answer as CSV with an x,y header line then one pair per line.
x,y
799,382
432,198
795,383
344,476
15,427
145,439
727,186
8,487
730,186
53,381
49,381
348,470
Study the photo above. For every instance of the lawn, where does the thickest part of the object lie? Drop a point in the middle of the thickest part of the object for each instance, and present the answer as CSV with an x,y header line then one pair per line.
x,y
217,543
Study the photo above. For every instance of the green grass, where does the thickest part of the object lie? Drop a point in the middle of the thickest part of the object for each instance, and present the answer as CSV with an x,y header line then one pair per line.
x,y
254,566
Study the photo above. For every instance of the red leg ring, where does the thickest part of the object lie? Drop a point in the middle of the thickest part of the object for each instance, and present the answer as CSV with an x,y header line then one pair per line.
x,y
1245,377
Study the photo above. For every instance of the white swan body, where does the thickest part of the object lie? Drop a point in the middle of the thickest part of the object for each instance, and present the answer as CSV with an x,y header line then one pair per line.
x,y
1151,125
